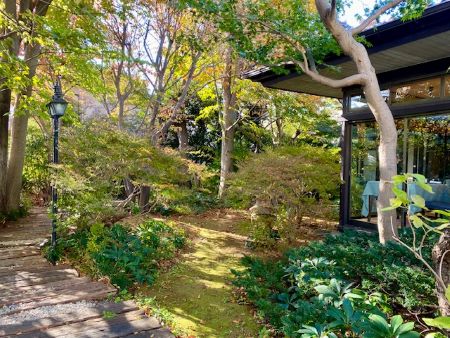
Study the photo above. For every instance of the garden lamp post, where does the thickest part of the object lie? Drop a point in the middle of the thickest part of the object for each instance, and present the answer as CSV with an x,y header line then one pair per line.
x,y
56,108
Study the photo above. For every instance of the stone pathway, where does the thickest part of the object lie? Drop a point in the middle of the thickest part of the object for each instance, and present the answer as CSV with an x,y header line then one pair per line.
x,y
38,299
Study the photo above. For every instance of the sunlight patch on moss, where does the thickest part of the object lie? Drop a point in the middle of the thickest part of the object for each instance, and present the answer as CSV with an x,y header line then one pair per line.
x,y
197,291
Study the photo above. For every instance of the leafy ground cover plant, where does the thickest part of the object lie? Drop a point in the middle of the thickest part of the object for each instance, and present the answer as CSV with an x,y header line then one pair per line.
x,y
126,256
416,210
347,284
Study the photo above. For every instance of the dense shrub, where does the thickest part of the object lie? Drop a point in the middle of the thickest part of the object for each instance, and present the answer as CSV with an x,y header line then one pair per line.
x,y
126,256
286,185
309,286
36,174
96,158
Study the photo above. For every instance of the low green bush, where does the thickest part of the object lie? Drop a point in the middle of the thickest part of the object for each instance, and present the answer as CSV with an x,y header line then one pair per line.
x,y
36,173
284,186
126,256
345,284
183,200
96,158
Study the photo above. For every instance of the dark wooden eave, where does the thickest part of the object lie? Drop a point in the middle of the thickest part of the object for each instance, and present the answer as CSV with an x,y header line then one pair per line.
x,y
400,51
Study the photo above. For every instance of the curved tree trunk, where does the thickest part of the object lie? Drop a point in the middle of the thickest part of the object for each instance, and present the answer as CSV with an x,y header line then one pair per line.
x,y
388,132
387,153
441,258
19,131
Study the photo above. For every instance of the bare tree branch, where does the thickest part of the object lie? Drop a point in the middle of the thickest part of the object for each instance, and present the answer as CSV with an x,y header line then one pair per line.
x,y
356,79
363,25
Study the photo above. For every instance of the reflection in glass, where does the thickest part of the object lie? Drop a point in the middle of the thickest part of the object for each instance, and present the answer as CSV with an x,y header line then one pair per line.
x,y
358,102
365,140
423,148
407,93
419,90
447,86
428,152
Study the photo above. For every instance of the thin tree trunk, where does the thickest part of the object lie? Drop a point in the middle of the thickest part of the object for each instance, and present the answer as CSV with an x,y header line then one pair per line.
x,y
162,134
120,118
16,159
279,124
226,159
153,117
144,198
5,108
5,104
19,134
387,153
441,258
183,136
228,123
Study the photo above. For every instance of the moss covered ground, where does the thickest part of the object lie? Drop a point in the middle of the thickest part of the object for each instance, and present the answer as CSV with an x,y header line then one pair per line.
x,y
196,295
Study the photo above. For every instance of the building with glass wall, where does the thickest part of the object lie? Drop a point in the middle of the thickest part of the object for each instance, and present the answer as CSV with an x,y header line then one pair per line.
x,y
412,61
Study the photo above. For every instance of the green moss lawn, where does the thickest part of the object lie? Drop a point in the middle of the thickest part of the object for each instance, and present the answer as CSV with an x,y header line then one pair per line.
x,y
196,293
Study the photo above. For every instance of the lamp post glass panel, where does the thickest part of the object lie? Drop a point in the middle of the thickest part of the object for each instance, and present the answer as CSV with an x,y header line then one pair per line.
x,y
56,109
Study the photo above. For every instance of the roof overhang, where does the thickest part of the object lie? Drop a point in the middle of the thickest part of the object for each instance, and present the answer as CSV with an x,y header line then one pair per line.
x,y
396,46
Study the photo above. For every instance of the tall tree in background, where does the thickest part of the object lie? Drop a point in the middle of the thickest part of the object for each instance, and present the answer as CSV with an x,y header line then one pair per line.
x,y
118,61
173,44
27,12
275,32
229,115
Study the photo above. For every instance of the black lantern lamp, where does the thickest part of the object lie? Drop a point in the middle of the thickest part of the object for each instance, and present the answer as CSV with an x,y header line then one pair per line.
x,y
56,109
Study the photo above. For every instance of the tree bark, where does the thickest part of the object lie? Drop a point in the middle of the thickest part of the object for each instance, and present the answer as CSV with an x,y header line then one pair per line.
x,y
388,132
5,104
183,136
128,186
279,124
441,254
5,108
20,120
144,198
229,118
18,138
181,100
120,115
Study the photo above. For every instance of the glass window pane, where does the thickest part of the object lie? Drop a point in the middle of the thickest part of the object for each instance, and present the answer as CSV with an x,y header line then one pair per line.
x,y
428,147
419,90
358,102
447,86
423,147
364,169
